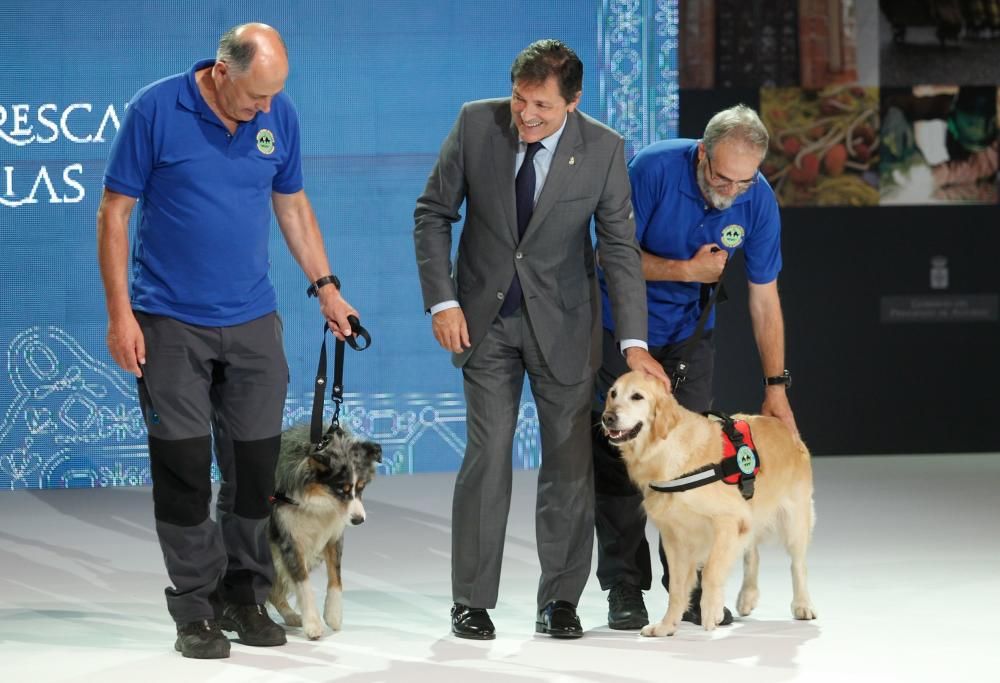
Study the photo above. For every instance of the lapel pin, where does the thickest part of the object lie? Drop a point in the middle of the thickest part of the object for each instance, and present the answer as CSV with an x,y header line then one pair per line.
x,y
572,160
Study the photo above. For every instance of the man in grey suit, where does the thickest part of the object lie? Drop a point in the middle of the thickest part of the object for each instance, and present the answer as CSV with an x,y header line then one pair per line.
x,y
522,298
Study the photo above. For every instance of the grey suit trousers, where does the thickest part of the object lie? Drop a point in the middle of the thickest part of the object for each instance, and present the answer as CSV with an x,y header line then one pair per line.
x,y
564,509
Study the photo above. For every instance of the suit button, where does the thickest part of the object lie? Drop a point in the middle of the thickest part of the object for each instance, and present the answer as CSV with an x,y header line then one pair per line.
x,y
500,295
518,255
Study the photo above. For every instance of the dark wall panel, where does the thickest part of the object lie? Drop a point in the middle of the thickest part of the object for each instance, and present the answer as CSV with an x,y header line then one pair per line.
x,y
860,385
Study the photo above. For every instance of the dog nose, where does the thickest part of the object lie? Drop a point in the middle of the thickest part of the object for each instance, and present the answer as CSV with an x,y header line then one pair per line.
x,y
357,519
609,420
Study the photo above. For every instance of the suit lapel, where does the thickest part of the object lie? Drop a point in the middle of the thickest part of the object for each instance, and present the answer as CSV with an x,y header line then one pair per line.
x,y
504,145
568,157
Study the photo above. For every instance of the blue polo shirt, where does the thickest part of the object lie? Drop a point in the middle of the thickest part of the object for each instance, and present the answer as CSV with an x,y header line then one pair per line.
x,y
673,221
201,249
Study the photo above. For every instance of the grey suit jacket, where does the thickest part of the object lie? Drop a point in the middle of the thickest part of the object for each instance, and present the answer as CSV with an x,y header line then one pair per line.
x,y
555,259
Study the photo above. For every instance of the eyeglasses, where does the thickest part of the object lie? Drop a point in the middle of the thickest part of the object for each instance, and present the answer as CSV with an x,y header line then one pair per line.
x,y
723,183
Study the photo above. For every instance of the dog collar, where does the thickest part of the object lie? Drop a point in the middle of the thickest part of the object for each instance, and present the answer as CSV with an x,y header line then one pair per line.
x,y
279,497
739,466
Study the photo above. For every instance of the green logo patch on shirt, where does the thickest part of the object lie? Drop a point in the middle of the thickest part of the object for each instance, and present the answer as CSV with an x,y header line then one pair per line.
x,y
265,141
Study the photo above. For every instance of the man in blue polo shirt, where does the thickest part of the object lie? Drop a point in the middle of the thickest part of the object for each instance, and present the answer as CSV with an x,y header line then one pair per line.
x,y
209,153
695,202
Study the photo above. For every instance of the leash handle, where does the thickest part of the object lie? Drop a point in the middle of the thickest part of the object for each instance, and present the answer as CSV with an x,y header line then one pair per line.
x,y
680,372
316,435
357,331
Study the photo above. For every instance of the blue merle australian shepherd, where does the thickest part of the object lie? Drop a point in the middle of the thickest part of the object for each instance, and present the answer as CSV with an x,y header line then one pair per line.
x,y
318,493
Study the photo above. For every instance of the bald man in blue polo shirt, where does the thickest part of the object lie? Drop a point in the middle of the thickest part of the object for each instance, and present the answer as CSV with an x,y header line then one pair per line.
x,y
209,153
696,202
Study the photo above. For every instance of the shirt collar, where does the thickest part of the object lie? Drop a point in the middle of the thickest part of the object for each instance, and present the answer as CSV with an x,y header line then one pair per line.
x,y
550,142
689,184
189,96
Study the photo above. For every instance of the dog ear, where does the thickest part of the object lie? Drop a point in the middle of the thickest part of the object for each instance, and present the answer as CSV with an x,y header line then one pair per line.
x,y
322,462
373,450
664,415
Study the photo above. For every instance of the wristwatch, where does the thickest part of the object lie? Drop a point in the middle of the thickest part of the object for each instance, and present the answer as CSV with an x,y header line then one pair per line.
x,y
784,378
313,289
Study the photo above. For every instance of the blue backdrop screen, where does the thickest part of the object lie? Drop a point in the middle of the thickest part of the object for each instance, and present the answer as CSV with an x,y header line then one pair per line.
x,y
377,87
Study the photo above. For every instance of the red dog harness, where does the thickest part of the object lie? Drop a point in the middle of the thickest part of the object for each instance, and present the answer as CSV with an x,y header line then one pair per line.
x,y
739,466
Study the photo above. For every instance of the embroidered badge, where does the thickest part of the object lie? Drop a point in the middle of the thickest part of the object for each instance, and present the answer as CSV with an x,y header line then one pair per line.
x,y
746,460
265,141
732,235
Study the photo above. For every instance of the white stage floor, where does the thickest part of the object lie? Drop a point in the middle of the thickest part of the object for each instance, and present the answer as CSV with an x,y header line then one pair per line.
x,y
903,571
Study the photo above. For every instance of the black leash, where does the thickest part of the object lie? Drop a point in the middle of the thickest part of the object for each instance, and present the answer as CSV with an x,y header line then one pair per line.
x,y
680,373
318,439
316,435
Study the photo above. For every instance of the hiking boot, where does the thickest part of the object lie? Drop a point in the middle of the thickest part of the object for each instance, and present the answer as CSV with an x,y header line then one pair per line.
x,y
253,625
626,610
201,640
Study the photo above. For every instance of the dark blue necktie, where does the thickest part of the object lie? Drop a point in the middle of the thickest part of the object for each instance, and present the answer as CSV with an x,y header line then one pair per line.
x,y
524,192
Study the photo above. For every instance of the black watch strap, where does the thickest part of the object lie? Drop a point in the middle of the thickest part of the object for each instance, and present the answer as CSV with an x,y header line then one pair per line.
x,y
313,289
784,378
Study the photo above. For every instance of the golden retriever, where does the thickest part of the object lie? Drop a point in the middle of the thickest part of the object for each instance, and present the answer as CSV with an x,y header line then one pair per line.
x,y
709,526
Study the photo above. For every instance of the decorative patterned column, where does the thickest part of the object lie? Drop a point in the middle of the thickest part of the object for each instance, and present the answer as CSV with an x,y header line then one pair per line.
x,y
637,44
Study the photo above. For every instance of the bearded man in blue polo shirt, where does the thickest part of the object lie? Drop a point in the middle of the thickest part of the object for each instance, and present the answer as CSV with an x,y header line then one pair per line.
x,y
695,202
209,152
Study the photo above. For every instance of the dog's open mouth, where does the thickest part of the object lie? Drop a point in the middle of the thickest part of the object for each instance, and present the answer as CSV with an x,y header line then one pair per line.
x,y
623,435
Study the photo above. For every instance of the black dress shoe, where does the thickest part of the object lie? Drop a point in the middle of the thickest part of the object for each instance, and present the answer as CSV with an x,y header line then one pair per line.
x,y
559,620
693,615
471,622
626,611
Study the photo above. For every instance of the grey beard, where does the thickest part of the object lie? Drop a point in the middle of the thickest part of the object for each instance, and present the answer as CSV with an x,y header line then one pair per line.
x,y
720,202
716,200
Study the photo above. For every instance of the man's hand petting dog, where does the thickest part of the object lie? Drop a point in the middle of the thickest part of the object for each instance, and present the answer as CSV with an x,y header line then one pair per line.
x,y
640,360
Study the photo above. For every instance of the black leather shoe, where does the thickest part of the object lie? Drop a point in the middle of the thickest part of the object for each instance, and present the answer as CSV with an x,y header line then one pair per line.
x,y
471,622
626,611
253,625
201,640
559,620
693,615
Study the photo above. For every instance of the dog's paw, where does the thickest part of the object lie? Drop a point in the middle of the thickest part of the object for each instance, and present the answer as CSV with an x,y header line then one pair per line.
x,y
659,629
747,601
333,610
291,618
803,610
313,629
711,616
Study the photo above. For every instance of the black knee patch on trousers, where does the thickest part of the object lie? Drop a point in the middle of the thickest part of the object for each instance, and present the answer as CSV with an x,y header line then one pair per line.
x,y
182,484
254,462
610,473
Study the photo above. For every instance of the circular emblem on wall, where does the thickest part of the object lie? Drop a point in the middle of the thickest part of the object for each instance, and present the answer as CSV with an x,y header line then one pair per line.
x,y
746,459
732,235
265,141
